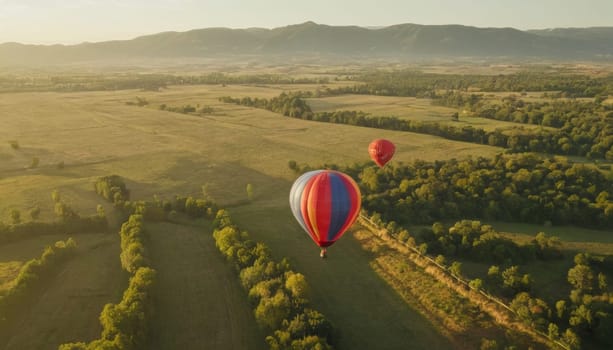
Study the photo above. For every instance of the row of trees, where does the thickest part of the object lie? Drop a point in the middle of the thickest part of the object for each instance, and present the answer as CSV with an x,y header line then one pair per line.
x,y
150,82
30,276
522,187
278,294
589,136
113,188
418,84
586,316
69,222
125,324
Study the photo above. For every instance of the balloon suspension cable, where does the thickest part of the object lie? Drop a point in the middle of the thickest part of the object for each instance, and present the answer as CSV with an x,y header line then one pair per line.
x,y
323,253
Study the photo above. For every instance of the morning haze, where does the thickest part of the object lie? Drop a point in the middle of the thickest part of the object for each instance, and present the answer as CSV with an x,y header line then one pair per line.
x,y
448,166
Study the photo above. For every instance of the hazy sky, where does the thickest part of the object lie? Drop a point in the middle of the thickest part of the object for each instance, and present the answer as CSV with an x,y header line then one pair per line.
x,y
74,21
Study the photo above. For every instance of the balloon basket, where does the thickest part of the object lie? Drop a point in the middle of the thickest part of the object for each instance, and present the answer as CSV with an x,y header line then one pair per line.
x,y
323,254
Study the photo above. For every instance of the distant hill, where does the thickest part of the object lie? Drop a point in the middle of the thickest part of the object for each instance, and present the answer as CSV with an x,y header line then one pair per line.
x,y
307,39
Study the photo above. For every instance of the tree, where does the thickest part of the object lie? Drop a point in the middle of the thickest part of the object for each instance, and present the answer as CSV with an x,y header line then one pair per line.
x,y
55,196
456,268
35,212
572,339
476,284
455,117
553,332
296,284
292,165
581,277
560,308
271,311
602,282
15,216
488,344
100,211
64,211
250,192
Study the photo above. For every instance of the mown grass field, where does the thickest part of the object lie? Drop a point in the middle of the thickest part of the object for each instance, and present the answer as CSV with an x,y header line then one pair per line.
x,y
195,285
67,307
409,108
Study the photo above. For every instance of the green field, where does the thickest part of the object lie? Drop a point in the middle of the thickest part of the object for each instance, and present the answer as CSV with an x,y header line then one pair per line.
x,y
198,300
67,308
163,153
344,287
409,108
196,286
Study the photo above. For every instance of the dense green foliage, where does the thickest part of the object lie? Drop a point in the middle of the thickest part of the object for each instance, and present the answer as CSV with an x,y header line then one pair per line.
x,y
523,188
475,241
586,128
278,294
112,188
418,84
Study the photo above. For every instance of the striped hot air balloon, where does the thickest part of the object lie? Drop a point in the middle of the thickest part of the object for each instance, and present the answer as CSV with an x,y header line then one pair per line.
x,y
325,203
381,151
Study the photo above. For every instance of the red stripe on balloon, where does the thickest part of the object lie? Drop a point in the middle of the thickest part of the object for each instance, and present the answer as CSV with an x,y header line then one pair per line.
x,y
321,202
304,209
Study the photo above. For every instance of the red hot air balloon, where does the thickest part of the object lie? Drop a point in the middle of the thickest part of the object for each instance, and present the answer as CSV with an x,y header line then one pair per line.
x,y
325,203
381,151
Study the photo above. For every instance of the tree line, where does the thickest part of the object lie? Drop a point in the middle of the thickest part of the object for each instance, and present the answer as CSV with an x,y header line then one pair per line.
x,y
30,277
582,136
125,324
69,222
584,317
419,84
148,82
278,294
114,189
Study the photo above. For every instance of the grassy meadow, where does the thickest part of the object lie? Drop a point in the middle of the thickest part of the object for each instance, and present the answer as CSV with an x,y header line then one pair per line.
x,y
196,286
161,153
409,108
67,307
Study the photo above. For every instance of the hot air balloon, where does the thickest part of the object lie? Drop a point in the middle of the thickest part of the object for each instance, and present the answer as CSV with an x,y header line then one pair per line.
x,y
325,203
381,151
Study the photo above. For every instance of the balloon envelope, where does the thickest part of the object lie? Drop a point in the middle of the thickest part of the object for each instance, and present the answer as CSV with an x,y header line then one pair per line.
x,y
381,151
325,203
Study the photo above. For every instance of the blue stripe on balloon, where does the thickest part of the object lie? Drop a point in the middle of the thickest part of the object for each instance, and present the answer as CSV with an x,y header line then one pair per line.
x,y
340,205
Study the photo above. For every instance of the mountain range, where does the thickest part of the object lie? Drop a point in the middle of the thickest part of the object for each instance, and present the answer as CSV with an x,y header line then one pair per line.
x,y
312,39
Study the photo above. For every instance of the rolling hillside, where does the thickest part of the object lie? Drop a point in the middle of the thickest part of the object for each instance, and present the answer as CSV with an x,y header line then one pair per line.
x,y
311,39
